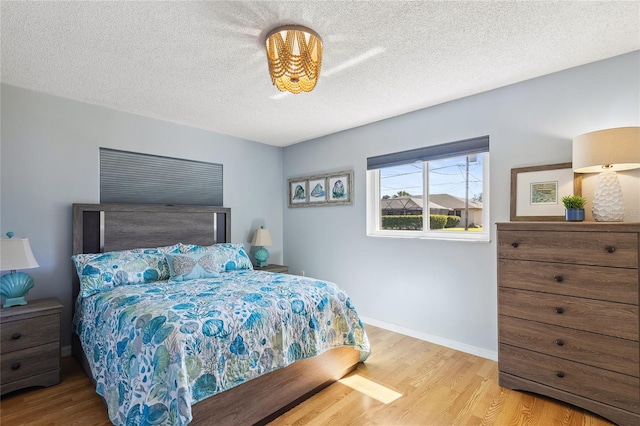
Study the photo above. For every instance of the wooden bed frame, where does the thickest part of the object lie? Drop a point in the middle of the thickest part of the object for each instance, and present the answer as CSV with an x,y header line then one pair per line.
x,y
108,227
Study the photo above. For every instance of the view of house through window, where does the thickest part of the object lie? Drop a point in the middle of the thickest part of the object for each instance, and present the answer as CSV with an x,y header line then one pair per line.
x,y
421,193
455,195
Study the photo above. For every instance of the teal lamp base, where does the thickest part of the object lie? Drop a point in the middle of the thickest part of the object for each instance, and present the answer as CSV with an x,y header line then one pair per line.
x,y
261,257
13,288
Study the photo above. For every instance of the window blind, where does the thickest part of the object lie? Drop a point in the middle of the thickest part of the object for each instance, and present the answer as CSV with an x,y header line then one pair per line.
x,y
430,153
131,177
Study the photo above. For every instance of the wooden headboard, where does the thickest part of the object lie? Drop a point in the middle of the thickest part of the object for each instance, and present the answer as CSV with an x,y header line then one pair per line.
x,y
107,227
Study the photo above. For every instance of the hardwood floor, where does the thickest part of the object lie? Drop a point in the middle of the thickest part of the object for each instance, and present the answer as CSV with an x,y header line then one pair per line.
x,y
404,382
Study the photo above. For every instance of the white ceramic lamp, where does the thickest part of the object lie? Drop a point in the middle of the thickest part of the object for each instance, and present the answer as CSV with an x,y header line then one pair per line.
x,y
261,239
607,152
15,253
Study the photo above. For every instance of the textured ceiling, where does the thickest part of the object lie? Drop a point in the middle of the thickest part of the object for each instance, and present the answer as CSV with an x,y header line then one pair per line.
x,y
203,63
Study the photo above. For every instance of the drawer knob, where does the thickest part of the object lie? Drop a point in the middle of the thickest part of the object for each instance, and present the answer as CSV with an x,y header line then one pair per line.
x,y
559,342
559,374
15,366
16,336
515,245
611,249
558,278
559,310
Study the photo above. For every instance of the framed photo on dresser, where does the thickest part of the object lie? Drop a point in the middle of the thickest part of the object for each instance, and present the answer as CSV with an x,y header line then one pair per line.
x,y
537,191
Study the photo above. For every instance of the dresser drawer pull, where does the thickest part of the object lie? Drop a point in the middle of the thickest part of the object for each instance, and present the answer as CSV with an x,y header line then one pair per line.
x,y
559,342
16,336
558,278
559,310
611,249
15,366
515,245
559,374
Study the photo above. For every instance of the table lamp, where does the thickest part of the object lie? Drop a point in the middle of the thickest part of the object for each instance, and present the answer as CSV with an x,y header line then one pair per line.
x,y
261,239
15,253
607,152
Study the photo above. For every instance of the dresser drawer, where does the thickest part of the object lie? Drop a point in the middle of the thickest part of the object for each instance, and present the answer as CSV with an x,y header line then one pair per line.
x,y
611,388
614,319
29,362
26,333
592,282
610,353
617,249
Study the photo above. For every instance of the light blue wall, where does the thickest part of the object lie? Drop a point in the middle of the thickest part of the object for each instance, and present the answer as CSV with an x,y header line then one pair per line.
x,y
50,159
440,290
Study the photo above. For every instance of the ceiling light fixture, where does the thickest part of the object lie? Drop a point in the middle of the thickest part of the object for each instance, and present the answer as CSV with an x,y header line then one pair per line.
x,y
294,54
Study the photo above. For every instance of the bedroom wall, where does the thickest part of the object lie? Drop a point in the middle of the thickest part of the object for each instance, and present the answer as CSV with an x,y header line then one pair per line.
x,y
50,159
445,291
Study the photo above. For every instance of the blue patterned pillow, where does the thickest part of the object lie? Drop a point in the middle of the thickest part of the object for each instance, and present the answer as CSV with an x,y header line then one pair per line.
x,y
103,271
228,256
190,266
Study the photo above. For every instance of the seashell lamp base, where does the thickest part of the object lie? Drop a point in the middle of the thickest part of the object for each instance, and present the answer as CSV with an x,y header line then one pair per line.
x,y
261,256
13,288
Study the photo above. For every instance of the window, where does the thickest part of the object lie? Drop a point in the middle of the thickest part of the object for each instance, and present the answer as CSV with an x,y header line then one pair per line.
x,y
438,192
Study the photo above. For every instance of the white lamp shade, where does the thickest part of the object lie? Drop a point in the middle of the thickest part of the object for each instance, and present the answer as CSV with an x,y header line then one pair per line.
x,y
15,253
617,149
261,238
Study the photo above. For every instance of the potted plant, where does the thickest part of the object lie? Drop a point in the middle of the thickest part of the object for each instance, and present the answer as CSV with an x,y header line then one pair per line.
x,y
574,205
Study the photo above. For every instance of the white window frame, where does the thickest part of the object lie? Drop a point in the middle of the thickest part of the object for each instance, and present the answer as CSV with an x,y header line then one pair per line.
x,y
374,212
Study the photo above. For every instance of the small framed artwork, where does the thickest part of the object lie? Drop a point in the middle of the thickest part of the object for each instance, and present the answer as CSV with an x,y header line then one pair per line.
x,y
318,190
330,189
340,187
297,192
537,191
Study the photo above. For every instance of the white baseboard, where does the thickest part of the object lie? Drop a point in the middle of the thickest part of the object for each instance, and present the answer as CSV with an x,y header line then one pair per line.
x,y
459,346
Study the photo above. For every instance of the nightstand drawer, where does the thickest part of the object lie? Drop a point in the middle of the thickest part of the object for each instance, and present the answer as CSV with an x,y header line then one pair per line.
x,y
21,334
591,282
613,319
609,353
29,362
282,269
611,388
615,249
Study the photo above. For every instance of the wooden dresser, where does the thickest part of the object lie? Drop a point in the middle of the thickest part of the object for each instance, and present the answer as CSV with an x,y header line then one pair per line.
x,y
568,315
30,345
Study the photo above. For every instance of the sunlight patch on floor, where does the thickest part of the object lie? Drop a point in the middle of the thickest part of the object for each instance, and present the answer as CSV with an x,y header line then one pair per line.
x,y
370,388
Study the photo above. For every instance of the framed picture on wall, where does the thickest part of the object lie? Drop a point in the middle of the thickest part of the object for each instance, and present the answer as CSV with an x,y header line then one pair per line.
x,y
537,191
318,190
329,189
297,192
340,188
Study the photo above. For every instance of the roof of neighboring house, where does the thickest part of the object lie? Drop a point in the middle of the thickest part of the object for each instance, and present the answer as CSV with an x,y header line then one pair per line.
x,y
411,203
436,201
452,202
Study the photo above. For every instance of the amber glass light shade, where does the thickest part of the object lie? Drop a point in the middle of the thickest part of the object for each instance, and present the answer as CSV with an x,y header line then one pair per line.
x,y
294,54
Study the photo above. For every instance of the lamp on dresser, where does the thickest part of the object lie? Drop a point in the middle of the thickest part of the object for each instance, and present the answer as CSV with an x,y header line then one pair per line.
x,y
261,239
15,253
607,152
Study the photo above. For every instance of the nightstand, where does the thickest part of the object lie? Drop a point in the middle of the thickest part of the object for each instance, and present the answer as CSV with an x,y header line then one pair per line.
x,y
273,268
30,345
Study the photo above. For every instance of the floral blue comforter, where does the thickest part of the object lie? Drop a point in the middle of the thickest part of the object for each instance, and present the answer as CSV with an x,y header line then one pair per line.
x,y
155,349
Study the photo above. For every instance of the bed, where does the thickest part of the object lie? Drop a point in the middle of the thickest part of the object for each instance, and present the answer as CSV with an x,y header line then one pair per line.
x,y
150,347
